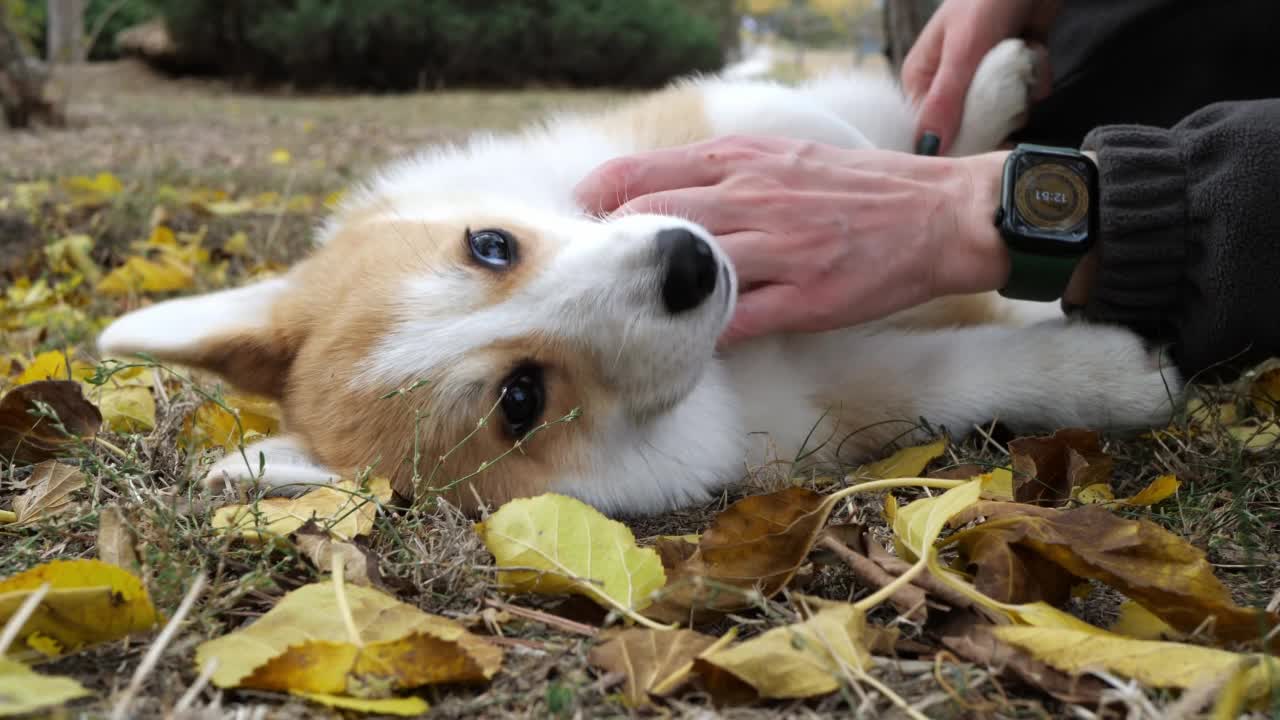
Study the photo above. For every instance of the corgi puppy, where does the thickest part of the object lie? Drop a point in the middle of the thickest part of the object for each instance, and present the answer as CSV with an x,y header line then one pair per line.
x,y
464,328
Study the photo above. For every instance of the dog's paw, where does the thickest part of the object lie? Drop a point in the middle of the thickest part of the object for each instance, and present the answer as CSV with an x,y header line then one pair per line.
x,y
280,466
998,98
1118,382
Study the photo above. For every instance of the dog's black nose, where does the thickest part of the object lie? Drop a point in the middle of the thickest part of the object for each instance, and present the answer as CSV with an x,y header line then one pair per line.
x,y
691,269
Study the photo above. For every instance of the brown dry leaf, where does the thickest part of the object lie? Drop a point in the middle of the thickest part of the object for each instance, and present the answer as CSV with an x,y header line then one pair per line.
x,y
653,661
908,462
1046,469
1147,563
359,564
88,602
1008,572
346,640
51,486
808,658
343,509
28,438
116,542
759,542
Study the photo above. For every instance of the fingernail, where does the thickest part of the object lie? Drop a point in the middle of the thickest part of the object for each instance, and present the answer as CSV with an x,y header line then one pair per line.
x,y
929,144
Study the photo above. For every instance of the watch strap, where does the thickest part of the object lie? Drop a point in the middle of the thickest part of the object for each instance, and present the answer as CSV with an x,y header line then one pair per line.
x,y
1037,277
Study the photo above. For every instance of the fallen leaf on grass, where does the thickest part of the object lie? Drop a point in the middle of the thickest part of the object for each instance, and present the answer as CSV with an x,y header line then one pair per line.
x,y
403,706
1140,623
51,486
24,691
570,547
908,462
126,409
653,661
1255,436
1264,387
213,426
88,602
115,540
344,510
802,660
359,564
52,365
1046,469
1145,562
1159,490
29,438
140,275
969,637
347,641
1152,663
757,543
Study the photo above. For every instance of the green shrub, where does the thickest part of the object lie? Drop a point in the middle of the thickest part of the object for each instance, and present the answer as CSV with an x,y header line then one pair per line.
x,y
405,44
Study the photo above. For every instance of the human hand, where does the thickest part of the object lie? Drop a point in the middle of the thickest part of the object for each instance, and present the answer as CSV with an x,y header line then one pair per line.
x,y
821,237
941,64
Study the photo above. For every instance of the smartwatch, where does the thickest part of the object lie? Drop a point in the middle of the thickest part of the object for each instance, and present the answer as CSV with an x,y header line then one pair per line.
x,y
1048,218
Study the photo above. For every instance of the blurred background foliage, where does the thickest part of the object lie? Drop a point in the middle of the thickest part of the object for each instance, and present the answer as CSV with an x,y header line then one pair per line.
x,y
398,45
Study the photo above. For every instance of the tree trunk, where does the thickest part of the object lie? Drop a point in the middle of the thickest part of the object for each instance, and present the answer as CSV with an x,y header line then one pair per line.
x,y
903,21
66,31
22,84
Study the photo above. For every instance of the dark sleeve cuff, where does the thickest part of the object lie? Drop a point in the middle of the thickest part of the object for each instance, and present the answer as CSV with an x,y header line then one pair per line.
x,y
1144,224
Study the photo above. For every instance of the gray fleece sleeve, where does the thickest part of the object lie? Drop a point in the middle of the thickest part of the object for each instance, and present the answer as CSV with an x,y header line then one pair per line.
x,y
1190,234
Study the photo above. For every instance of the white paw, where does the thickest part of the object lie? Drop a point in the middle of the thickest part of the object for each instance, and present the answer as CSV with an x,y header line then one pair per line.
x,y
998,98
279,465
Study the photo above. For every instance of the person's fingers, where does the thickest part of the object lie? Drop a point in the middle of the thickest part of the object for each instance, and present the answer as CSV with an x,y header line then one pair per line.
x,y
943,107
703,205
921,63
755,260
764,310
1044,72
700,164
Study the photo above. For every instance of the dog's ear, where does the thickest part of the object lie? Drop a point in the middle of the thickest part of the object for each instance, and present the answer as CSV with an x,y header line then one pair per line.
x,y
236,333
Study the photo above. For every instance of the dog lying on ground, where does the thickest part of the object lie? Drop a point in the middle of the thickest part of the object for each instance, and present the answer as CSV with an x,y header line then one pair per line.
x,y
542,349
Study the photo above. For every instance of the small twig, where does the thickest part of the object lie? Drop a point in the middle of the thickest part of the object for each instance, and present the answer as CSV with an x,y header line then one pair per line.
x,y
543,617
201,680
19,619
344,608
909,600
121,709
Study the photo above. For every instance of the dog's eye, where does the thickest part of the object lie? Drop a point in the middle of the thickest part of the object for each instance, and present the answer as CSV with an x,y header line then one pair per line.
x,y
523,398
495,248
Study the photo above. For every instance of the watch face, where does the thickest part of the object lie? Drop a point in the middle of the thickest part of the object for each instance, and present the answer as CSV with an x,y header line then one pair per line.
x,y
1052,195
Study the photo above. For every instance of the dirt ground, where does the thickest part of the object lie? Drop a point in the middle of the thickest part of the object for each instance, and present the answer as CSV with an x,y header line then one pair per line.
x,y
163,137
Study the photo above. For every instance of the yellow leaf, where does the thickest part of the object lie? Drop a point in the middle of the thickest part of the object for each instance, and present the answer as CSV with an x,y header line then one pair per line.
x,y
24,691
1264,389
72,253
1094,494
139,274
105,185
52,365
917,525
332,199
89,602
1140,623
405,706
212,426
573,548
343,510
1257,437
998,484
126,408
52,484
280,156
350,641
1160,489
908,462
794,661
1152,663
237,244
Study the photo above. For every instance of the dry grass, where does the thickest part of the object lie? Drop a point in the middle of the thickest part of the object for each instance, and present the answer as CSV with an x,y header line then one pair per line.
x,y
152,133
